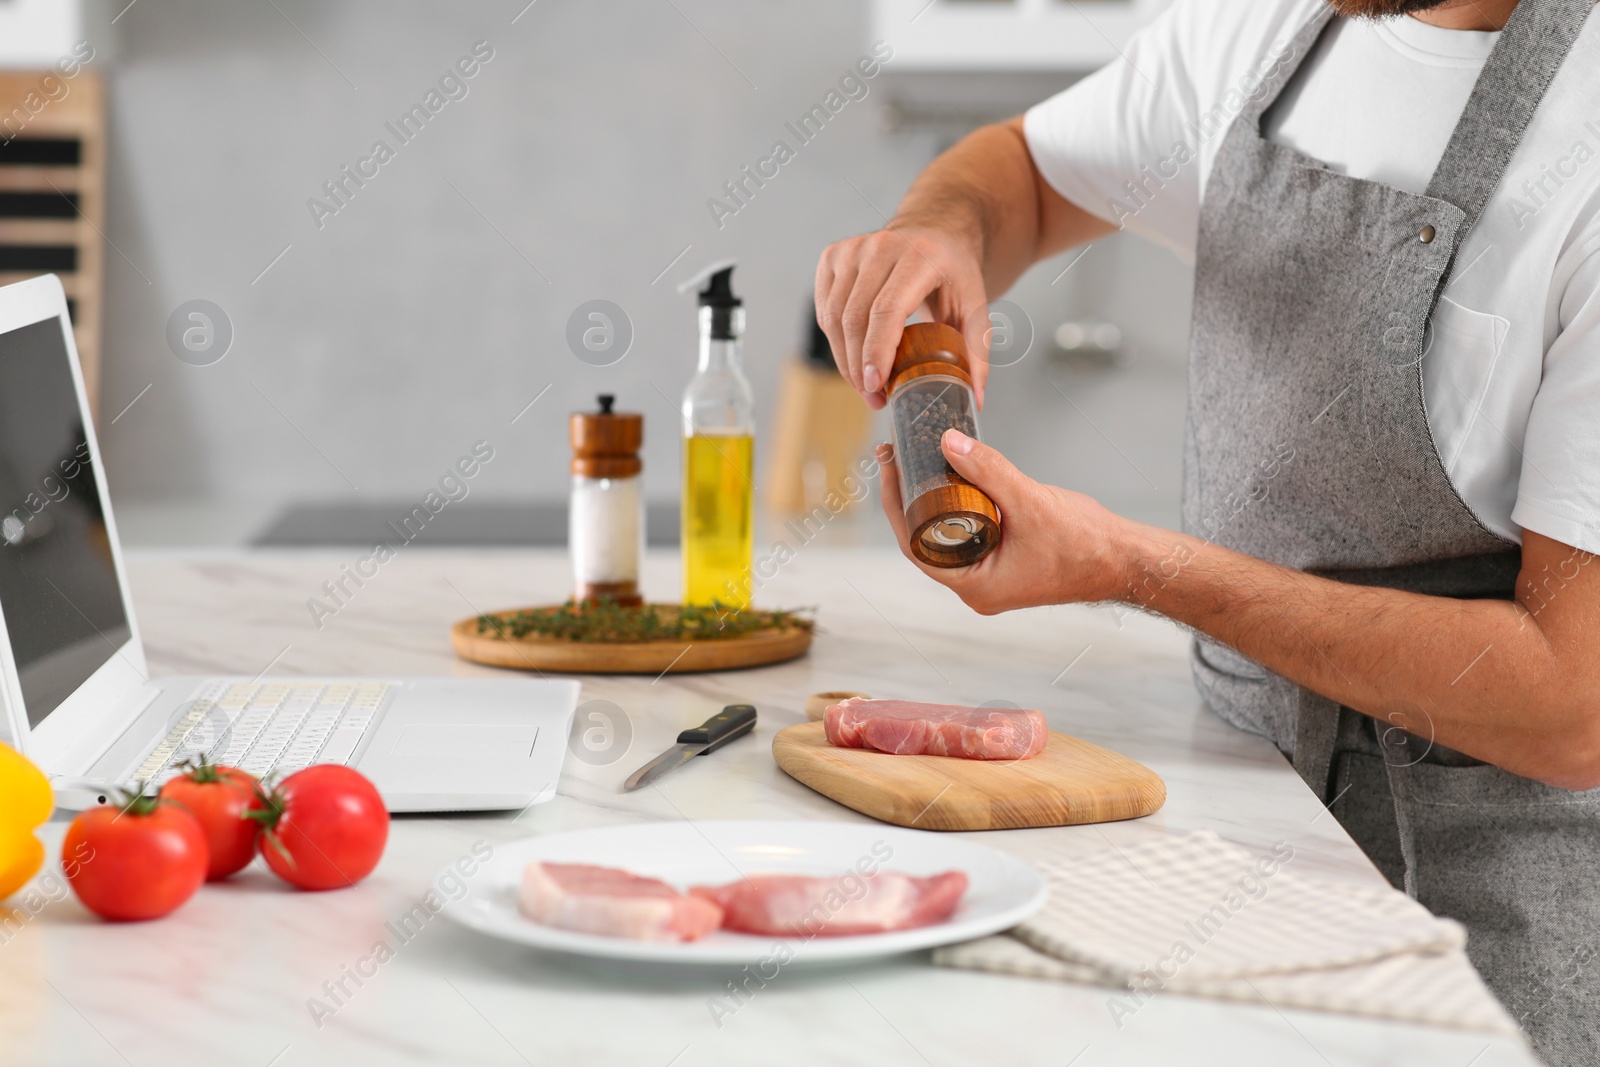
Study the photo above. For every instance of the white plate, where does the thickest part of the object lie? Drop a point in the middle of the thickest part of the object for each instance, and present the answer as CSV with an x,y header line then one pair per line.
x,y
1002,891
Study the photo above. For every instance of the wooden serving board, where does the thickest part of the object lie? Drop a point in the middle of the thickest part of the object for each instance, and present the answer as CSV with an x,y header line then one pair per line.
x,y
677,656
1069,783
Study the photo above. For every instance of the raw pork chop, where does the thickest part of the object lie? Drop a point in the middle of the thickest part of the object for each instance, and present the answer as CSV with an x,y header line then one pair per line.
x,y
604,900
793,905
906,728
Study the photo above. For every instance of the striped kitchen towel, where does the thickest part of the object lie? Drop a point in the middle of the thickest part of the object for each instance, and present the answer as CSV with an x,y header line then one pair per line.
x,y
1199,916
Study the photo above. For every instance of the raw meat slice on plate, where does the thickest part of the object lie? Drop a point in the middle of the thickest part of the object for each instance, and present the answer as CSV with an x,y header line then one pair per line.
x,y
614,903
909,728
801,906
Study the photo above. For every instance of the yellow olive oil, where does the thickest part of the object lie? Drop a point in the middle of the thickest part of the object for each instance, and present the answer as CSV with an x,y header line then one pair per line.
x,y
718,518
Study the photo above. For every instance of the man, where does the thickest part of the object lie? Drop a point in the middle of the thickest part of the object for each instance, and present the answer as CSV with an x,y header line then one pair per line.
x,y
1392,483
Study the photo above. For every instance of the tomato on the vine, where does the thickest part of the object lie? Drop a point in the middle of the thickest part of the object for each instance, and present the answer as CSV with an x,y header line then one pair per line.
x,y
137,860
220,799
323,827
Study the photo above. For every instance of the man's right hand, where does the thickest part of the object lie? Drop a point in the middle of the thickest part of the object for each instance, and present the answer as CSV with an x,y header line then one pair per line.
x,y
972,222
867,286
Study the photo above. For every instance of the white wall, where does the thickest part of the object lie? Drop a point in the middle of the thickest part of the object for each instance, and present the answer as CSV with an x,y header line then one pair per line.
x,y
410,326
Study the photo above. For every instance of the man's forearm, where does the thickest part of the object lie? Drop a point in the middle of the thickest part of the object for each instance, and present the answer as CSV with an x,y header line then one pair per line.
x,y
986,190
981,190
1480,676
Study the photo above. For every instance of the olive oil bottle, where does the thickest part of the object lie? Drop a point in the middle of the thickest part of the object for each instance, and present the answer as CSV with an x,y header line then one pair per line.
x,y
718,454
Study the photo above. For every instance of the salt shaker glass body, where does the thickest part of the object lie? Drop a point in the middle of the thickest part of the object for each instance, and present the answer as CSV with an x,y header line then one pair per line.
x,y
605,532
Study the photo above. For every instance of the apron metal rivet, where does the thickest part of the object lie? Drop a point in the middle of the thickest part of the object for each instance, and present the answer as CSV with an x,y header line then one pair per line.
x,y
1427,235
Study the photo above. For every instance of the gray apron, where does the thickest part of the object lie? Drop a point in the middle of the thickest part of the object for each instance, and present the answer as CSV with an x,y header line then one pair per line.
x,y
1308,445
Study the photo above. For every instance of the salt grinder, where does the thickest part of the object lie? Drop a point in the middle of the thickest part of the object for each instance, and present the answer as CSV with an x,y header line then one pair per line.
x,y
605,526
951,522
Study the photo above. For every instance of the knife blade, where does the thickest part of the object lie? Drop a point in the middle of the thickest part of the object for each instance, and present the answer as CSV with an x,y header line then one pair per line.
x,y
731,723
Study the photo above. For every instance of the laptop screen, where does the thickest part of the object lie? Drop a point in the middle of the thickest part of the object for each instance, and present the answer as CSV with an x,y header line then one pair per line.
x,y
58,584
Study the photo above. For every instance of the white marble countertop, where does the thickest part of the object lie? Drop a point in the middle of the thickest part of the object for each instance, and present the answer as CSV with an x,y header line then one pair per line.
x,y
227,979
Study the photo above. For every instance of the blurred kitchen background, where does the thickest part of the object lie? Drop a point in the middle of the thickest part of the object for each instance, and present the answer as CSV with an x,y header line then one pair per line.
x,y
372,347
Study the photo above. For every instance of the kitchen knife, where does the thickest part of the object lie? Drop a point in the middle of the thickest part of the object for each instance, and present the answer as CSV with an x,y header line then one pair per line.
x,y
733,721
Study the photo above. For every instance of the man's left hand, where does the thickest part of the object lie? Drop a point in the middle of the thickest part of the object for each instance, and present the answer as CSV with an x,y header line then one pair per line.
x,y
1514,683
1056,546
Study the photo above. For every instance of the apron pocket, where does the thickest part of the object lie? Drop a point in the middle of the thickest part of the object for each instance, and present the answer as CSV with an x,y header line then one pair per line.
x,y
1224,660
1460,351
1243,694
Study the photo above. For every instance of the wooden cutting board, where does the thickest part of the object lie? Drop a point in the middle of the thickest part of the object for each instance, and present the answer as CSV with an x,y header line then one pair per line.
x,y
1069,783
676,656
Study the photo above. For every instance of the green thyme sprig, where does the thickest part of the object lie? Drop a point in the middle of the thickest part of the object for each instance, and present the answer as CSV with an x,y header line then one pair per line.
x,y
607,622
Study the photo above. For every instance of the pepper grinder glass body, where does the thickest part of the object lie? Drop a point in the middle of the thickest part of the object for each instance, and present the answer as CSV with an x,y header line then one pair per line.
x,y
949,521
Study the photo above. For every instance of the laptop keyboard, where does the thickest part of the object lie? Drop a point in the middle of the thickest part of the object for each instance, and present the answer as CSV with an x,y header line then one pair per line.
x,y
266,727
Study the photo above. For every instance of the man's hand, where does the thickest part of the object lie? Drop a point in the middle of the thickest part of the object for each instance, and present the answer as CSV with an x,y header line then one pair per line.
x,y
1513,682
868,286
1056,547
979,216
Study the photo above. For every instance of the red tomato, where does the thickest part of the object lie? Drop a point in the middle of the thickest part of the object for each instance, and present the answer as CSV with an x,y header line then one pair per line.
x,y
137,861
325,828
220,799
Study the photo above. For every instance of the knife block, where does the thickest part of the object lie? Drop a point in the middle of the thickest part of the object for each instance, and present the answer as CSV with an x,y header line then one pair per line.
x,y
820,432
52,197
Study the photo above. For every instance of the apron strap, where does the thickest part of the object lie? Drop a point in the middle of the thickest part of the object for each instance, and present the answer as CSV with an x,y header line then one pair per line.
x,y
1518,71
1315,735
1288,58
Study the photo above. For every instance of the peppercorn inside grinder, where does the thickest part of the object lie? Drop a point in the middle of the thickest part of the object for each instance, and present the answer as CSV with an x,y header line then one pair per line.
x,y
605,526
950,521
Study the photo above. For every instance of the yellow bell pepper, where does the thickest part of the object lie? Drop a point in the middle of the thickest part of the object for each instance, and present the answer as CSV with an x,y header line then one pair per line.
x,y
25,803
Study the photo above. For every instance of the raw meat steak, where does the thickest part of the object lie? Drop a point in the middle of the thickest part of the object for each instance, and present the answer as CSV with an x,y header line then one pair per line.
x,y
906,728
604,900
785,905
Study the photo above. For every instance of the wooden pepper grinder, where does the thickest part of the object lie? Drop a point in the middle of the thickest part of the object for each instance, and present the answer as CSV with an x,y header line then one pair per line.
x,y
605,526
950,521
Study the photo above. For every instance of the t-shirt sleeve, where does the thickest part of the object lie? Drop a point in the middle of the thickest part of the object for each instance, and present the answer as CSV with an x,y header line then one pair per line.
x,y
1133,142
1111,144
1558,491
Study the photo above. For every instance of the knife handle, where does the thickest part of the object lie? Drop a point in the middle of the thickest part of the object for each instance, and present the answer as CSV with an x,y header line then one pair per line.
x,y
731,722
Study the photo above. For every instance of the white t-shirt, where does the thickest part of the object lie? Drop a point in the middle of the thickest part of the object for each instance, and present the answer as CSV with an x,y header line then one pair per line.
x,y
1511,378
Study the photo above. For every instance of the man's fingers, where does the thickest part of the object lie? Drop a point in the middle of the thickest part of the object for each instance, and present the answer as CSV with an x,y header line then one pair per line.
x,y
822,288
861,310
961,302
905,290
984,467
976,331
867,286
832,319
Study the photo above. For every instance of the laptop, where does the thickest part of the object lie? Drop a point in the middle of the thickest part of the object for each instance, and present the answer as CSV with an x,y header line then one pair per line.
x,y
79,702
